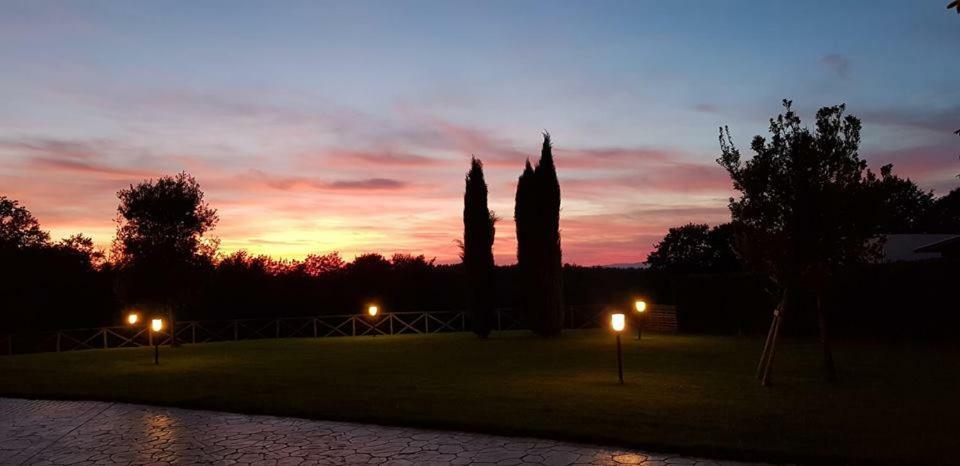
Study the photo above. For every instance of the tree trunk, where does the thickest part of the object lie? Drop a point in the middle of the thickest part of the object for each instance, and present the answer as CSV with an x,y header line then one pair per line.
x,y
829,369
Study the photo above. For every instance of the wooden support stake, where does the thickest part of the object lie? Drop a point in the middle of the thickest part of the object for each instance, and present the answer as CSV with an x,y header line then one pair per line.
x,y
766,343
768,366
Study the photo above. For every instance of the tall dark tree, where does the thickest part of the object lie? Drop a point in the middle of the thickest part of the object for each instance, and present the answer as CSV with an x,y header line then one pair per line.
x,y
161,245
523,215
539,254
551,272
477,255
695,248
804,210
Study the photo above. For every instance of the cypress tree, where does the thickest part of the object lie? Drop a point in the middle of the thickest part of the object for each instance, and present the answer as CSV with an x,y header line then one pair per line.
x,y
477,255
526,263
548,232
539,261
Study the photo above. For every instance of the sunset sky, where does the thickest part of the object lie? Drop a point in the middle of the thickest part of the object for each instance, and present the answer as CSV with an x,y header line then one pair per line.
x,y
348,126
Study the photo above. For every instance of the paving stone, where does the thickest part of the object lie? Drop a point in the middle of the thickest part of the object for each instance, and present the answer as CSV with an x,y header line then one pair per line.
x,y
40,432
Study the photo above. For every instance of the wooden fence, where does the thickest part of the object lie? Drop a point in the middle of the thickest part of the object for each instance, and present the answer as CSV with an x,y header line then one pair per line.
x,y
658,318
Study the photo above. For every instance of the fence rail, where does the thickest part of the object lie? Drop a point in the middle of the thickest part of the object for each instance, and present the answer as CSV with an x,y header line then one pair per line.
x,y
658,318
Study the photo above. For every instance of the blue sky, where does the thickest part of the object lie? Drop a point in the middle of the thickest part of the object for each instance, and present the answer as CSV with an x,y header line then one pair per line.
x,y
321,126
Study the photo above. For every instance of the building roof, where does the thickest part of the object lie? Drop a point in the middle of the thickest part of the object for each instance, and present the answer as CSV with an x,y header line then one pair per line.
x,y
950,244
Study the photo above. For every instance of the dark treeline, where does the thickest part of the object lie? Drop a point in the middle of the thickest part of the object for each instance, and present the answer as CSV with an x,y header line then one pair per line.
x,y
57,289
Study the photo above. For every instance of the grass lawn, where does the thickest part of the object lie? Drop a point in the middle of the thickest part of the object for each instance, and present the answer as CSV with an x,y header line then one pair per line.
x,y
689,394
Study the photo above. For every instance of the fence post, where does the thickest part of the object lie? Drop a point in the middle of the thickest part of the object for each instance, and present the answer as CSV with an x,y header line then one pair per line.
x,y
314,327
390,319
353,325
234,330
426,322
104,332
193,332
278,329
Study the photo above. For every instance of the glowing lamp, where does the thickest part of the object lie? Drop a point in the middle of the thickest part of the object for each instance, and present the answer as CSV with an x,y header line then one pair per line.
x,y
156,325
618,322
133,318
373,310
640,305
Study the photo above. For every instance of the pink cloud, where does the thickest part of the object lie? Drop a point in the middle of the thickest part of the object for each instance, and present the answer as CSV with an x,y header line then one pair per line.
x,y
919,163
343,158
294,183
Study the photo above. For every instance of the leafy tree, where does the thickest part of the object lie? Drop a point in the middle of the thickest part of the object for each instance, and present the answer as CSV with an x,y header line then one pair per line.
x,y
18,227
316,265
539,255
82,249
477,253
804,209
695,248
945,213
161,246
46,285
903,207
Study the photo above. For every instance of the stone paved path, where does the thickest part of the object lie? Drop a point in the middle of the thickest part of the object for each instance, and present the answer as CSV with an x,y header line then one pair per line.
x,y
81,432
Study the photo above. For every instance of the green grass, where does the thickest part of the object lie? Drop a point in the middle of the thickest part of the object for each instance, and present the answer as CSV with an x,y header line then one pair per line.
x,y
689,394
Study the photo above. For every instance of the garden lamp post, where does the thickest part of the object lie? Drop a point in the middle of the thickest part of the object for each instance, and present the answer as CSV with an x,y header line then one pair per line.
x,y
640,306
156,325
617,323
373,311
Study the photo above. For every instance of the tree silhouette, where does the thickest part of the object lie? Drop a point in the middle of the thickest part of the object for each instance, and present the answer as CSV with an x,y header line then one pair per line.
x,y
18,227
804,211
316,265
695,248
944,215
523,215
46,285
903,207
539,255
477,254
160,245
